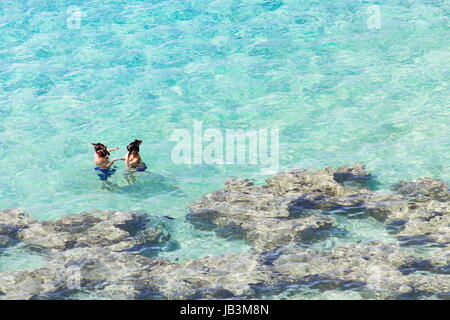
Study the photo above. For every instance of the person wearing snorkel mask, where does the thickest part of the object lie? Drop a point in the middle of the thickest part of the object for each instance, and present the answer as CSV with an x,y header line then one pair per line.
x,y
133,158
101,159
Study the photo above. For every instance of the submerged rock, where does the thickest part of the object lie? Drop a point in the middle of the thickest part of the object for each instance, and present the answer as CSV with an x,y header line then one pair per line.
x,y
89,251
418,213
6,241
286,209
296,204
375,266
424,189
14,220
74,271
225,276
114,229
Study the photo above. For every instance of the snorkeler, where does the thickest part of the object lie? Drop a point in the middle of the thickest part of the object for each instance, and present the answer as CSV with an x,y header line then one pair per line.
x,y
132,158
101,159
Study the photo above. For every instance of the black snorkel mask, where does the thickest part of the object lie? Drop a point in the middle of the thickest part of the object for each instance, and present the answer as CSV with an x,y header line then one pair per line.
x,y
134,146
101,149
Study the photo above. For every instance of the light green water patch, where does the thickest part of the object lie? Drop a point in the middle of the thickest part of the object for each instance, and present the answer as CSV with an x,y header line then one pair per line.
x,y
19,259
351,230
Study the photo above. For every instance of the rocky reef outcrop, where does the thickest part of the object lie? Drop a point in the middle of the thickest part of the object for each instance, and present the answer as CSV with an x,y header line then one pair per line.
x,y
87,250
286,209
102,254
115,230
379,269
296,204
417,213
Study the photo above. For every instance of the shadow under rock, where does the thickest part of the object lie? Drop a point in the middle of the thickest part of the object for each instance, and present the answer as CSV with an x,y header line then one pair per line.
x,y
357,181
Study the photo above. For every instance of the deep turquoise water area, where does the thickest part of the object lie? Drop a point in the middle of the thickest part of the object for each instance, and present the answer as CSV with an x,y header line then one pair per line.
x,y
338,91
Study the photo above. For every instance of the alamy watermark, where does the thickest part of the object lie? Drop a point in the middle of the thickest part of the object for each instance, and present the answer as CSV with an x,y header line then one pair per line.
x,y
227,147
74,18
374,19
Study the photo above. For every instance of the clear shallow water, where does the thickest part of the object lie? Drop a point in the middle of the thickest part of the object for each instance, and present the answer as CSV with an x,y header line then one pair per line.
x,y
339,93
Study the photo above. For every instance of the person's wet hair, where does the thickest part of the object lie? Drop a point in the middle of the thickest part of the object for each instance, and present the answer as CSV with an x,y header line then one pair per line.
x,y
134,146
101,149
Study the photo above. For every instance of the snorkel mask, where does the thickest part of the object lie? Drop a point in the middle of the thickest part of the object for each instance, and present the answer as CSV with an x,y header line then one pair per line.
x,y
100,149
134,146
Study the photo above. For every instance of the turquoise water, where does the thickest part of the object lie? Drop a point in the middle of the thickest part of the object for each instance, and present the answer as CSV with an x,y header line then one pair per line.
x,y
338,91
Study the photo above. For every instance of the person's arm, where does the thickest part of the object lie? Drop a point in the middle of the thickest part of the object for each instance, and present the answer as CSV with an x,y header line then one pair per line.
x,y
114,160
113,149
134,161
